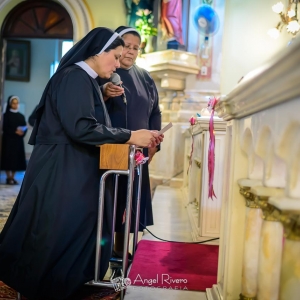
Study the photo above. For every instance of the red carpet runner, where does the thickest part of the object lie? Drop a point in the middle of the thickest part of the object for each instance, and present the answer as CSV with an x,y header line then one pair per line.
x,y
174,265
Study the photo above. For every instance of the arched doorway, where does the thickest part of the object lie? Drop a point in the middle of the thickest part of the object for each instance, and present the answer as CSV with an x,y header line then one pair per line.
x,y
38,19
31,26
34,20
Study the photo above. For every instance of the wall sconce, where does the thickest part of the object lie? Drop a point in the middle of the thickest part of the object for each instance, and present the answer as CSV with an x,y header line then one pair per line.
x,y
289,18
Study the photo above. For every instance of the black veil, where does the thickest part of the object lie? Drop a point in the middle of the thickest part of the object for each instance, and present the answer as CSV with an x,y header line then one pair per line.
x,y
121,30
95,42
8,102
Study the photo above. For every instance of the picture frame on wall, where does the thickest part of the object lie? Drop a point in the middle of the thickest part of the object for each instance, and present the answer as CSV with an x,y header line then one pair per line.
x,y
17,66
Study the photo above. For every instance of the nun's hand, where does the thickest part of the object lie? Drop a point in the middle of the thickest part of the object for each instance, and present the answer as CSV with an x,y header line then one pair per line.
x,y
110,90
158,138
144,138
19,132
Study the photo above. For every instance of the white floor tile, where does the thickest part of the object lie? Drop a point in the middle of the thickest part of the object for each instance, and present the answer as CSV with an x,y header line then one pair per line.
x,y
142,293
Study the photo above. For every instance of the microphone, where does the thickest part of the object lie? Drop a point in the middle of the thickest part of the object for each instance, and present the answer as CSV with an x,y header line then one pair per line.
x,y
116,80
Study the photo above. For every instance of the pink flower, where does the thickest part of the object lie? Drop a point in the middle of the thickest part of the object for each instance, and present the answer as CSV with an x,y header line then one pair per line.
x,y
192,120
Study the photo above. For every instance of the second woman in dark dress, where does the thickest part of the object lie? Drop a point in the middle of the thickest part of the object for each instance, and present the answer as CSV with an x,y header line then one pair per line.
x,y
13,151
141,110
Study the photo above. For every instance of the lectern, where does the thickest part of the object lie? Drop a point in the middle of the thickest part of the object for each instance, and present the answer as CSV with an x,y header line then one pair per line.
x,y
117,159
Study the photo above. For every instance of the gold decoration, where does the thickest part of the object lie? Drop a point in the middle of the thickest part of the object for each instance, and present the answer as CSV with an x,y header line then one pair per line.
x,y
245,191
198,163
270,212
196,204
291,224
242,297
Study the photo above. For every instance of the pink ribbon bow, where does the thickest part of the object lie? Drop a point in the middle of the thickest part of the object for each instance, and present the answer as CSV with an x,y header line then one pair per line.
x,y
140,158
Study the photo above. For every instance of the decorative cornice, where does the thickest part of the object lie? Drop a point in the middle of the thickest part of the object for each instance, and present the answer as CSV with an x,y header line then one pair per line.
x,y
245,191
273,83
290,216
203,125
261,196
287,205
171,60
270,212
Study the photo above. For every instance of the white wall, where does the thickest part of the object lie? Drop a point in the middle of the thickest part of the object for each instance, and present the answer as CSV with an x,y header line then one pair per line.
x,y
246,44
43,53
195,40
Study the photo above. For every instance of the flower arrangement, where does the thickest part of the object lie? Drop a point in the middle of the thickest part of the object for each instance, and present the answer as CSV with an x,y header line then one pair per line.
x,y
145,24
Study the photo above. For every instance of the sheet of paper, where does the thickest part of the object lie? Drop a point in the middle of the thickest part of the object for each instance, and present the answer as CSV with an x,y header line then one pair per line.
x,y
163,130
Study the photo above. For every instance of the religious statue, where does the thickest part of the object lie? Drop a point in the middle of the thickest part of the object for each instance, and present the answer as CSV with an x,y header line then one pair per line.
x,y
171,22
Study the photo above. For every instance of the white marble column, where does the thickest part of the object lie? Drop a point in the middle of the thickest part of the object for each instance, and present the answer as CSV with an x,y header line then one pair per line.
x,y
271,244
270,260
251,252
290,268
251,240
290,271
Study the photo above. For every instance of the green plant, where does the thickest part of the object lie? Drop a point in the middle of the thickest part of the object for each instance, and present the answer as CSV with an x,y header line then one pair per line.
x,y
145,24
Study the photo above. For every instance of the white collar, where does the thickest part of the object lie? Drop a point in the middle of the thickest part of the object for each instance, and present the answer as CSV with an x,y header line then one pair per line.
x,y
14,110
87,68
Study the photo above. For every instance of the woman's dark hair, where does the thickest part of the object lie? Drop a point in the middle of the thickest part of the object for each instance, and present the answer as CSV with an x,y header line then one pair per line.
x,y
116,43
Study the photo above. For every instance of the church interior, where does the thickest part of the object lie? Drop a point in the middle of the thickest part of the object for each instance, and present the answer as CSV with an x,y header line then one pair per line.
x,y
228,171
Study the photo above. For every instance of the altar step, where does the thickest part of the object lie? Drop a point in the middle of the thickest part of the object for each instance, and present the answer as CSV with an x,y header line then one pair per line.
x,y
174,182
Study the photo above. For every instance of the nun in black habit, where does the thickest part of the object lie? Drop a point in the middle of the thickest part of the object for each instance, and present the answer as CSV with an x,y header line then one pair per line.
x,y
47,247
13,151
140,110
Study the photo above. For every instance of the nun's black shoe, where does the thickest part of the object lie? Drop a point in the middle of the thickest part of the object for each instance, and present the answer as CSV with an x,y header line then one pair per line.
x,y
116,255
10,181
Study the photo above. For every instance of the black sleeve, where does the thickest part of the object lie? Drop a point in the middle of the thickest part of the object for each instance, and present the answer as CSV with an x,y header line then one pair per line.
x,y
155,116
76,110
32,117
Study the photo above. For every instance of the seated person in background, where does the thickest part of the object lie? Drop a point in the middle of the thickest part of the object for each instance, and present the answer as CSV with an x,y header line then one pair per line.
x,y
13,151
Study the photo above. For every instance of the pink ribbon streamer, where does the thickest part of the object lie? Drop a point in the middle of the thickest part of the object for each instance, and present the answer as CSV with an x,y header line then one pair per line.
x,y
211,150
192,122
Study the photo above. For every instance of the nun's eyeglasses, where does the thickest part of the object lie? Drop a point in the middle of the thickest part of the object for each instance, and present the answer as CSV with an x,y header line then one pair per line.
x,y
134,48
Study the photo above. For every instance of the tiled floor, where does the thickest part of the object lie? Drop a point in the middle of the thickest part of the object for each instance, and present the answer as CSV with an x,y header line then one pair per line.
x,y
171,223
8,195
